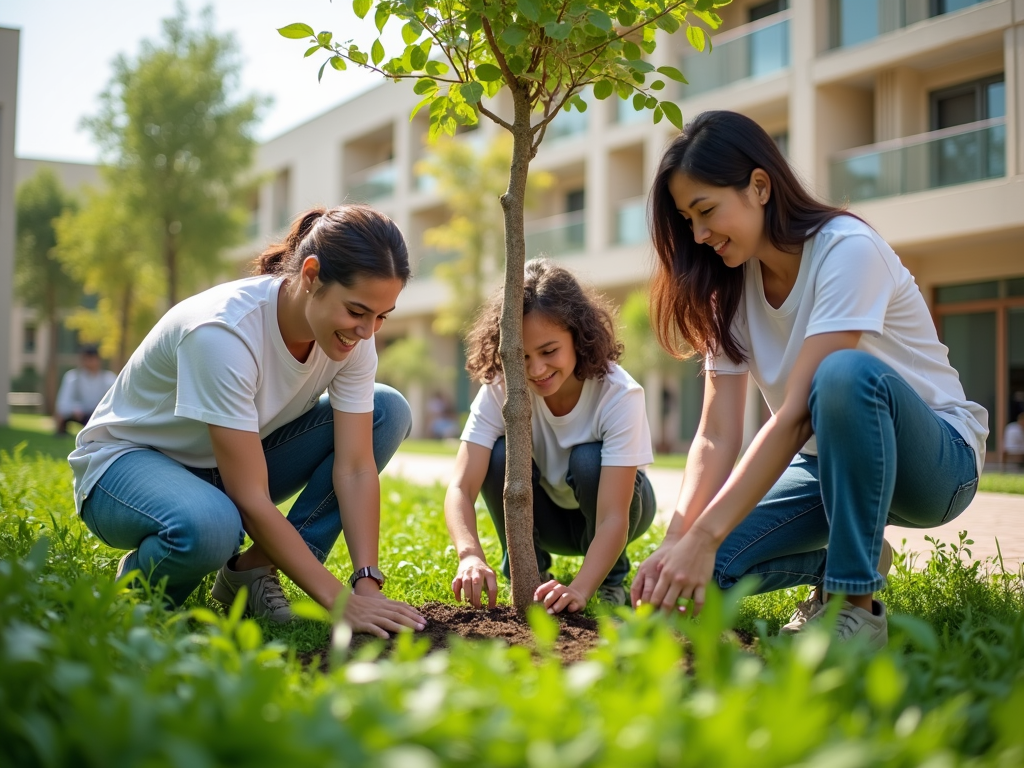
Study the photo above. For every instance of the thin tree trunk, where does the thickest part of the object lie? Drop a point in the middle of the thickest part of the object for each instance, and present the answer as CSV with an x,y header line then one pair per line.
x,y
518,496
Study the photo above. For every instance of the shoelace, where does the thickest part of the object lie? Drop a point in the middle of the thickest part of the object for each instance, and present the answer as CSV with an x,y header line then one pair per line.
x,y
270,592
805,609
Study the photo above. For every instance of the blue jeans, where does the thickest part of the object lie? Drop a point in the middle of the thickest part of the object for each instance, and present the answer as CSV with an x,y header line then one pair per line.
x,y
883,457
182,525
567,531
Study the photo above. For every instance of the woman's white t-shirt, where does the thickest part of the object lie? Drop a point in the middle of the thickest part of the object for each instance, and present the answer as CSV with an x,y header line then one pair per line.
x,y
850,280
216,358
610,411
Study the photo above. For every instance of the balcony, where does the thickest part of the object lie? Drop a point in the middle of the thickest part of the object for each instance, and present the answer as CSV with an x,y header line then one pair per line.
x,y
751,51
556,235
568,124
957,155
857,21
373,183
631,222
430,258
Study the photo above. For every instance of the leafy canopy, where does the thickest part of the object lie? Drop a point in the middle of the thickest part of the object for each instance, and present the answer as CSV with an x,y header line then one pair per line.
x,y
461,52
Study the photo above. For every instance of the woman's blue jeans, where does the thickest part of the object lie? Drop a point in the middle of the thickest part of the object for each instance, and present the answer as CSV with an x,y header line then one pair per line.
x,y
567,531
883,457
182,525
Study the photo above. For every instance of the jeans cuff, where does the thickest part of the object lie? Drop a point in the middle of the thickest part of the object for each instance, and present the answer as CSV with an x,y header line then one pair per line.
x,y
834,586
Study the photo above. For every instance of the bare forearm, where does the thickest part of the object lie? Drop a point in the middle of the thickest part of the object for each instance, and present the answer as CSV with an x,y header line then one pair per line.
x,y
460,517
358,496
609,541
707,468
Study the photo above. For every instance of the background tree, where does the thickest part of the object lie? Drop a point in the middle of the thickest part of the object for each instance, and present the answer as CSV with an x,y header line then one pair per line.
x,y
470,179
178,143
541,53
40,282
104,246
409,361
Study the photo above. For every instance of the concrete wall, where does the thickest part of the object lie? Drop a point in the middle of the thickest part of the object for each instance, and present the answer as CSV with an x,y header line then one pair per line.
x,y
9,39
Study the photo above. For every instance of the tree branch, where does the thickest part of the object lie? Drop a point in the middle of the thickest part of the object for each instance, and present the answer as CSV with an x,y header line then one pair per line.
x,y
494,118
631,30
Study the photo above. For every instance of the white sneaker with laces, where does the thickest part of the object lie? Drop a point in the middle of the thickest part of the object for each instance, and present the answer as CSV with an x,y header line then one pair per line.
x,y
805,611
871,627
266,597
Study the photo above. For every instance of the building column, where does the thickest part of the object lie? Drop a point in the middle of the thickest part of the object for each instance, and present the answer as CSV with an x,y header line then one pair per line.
x,y
598,210
804,38
1013,72
9,41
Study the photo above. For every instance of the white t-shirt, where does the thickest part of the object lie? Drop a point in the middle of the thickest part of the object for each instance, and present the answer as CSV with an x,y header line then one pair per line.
x,y
611,411
851,280
216,358
1013,438
81,390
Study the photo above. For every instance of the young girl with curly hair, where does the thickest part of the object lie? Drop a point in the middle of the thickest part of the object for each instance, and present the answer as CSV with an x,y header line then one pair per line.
x,y
590,441
869,421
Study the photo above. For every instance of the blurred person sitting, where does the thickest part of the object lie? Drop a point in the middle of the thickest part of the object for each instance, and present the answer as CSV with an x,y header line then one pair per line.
x,y
81,390
1013,440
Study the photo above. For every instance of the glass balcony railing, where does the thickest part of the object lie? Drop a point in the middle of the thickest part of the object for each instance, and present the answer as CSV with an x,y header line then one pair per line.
x,y
626,115
857,21
957,155
754,50
631,222
556,235
571,123
372,183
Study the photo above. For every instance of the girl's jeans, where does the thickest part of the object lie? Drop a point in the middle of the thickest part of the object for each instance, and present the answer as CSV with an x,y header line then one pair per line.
x,y
567,531
182,524
883,457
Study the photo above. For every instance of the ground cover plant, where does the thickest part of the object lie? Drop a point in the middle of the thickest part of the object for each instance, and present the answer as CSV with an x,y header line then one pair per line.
x,y
94,674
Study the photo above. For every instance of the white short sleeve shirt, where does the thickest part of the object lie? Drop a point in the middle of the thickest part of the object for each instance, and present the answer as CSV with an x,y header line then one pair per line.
x,y
850,280
215,358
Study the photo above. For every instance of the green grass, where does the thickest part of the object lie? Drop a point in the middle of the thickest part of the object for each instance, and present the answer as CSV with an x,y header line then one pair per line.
x,y
995,482
37,434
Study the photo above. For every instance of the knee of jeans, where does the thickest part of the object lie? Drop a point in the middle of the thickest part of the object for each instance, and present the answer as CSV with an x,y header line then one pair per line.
x,y
208,541
585,465
391,407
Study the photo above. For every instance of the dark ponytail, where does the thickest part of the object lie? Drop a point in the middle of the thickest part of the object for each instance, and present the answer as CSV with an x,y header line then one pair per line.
x,y
351,241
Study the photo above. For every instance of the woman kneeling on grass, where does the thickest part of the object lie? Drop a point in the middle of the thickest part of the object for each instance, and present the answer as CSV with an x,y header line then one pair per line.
x,y
220,414
869,421
590,437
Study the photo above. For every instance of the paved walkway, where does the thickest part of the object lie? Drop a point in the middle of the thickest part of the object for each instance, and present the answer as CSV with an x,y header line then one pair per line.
x,y
990,516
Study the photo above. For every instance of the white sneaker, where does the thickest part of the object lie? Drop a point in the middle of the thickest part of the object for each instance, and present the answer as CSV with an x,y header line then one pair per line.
x,y
871,626
265,599
805,611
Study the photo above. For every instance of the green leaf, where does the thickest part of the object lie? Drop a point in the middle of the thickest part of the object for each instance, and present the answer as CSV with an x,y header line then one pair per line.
x,y
338,63
320,74
377,52
657,85
423,102
436,68
487,73
696,37
579,103
356,55
704,5
651,102
600,19
558,30
296,31
513,36
625,16
668,22
603,89
361,7
631,51
380,18
324,38
529,9
673,114
658,114
471,92
639,101
418,57
411,32
311,50
423,86
672,74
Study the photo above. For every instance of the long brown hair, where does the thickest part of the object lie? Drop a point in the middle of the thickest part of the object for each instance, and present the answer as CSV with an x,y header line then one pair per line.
x,y
694,295
351,241
554,292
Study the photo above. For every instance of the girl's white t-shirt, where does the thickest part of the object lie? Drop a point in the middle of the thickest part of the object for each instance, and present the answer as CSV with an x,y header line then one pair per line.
x,y
611,411
850,280
215,358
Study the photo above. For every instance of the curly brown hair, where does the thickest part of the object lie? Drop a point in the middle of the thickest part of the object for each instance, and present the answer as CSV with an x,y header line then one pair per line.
x,y
556,293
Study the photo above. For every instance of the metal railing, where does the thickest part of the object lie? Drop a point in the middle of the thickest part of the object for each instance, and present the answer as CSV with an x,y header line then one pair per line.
x,y
753,50
631,221
556,235
857,21
957,155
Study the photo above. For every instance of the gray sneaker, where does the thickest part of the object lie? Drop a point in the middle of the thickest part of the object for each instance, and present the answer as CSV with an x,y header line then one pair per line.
x,y
805,611
265,599
870,626
612,594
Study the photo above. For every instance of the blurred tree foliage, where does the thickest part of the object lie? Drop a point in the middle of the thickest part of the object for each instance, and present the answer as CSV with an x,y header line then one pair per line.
x,y
409,361
177,143
40,282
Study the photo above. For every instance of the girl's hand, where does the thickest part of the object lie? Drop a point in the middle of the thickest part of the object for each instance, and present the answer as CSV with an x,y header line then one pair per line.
x,y
472,578
647,575
380,616
557,597
367,588
686,570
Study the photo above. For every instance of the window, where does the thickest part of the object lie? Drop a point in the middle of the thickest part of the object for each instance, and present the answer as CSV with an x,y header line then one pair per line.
x,y
968,102
764,10
574,200
28,343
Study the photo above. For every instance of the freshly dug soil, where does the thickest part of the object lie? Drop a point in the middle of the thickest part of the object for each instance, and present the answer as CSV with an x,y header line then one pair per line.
x,y
578,633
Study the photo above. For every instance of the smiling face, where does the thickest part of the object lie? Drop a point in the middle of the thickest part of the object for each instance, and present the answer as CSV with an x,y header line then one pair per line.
x,y
341,317
550,358
731,221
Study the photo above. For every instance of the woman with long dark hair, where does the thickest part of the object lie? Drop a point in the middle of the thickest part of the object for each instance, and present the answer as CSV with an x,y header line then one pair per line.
x,y
221,413
869,424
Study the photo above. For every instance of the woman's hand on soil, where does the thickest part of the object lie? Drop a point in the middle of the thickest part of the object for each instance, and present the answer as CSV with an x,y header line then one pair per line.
x,y
367,588
686,570
556,597
380,616
473,577
647,575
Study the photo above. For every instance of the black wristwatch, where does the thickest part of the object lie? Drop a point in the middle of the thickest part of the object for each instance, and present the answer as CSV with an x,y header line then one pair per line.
x,y
369,572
